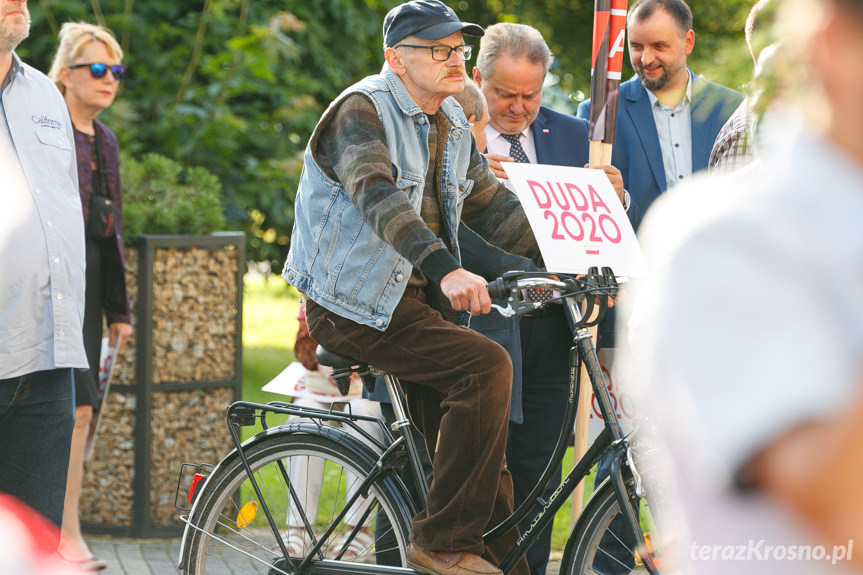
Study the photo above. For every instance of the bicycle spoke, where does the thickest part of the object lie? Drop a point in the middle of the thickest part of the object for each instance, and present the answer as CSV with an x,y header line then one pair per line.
x,y
601,542
325,482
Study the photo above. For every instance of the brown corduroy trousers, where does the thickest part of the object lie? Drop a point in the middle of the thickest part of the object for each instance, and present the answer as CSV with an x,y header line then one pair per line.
x,y
457,383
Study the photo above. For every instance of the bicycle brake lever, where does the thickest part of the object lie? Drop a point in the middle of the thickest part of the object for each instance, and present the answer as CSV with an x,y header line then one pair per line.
x,y
504,311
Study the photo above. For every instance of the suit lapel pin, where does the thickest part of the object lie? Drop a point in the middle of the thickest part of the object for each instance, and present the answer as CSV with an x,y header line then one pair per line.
x,y
545,130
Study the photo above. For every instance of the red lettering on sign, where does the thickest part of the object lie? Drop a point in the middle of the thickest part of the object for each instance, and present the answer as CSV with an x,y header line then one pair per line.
x,y
627,406
546,203
596,201
560,199
561,203
555,235
588,219
576,236
580,206
606,219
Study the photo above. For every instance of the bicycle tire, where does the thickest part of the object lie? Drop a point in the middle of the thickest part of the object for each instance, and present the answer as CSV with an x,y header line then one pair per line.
x,y
598,547
216,525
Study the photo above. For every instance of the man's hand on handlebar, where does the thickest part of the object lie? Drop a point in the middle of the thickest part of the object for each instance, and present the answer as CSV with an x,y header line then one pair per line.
x,y
466,291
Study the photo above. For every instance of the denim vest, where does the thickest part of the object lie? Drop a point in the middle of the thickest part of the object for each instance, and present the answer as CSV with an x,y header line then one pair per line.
x,y
336,258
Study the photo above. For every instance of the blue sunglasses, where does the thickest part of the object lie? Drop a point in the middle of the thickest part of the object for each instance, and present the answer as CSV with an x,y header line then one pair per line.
x,y
98,70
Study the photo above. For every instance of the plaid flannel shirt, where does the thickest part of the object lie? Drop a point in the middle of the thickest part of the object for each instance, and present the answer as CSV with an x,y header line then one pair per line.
x,y
733,147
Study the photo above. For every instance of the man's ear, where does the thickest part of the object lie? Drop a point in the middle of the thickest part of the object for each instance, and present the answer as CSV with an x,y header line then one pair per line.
x,y
472,118
394,59
477,77
689,42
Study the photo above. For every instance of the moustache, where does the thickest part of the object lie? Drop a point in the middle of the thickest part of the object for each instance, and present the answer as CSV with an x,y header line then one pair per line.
x,y
458,70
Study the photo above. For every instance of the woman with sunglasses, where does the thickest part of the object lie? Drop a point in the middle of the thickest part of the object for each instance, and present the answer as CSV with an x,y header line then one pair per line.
x,y
87,71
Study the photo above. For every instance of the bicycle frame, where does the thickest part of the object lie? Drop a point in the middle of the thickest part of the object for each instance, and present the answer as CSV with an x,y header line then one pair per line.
x,y
611,438
390,459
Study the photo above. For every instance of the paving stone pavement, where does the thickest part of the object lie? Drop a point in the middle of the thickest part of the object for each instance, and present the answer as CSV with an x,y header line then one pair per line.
x,y
158,556
137,556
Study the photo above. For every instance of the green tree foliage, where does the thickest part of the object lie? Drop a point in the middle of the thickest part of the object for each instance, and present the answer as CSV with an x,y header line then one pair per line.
x,y
160,196
720,52
236,86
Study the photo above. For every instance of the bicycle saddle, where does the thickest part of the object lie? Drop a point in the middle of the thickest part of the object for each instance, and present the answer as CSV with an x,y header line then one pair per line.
x,y
343,366
333,359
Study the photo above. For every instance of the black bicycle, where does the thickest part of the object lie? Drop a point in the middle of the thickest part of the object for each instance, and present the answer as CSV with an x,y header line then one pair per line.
x,y
324,494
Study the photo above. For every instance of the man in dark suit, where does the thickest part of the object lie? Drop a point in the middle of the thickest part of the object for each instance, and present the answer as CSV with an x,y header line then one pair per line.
x,y
511,66
668,118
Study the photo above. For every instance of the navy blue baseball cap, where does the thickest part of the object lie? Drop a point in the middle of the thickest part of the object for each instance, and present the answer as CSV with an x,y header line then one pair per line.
x,y
426,19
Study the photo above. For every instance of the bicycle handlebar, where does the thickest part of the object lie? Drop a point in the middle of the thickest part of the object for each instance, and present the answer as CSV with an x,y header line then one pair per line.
x,y
595,288
502,287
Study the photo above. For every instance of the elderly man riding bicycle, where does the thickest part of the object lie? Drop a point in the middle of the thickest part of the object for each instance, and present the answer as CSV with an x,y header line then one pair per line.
x,y
390,172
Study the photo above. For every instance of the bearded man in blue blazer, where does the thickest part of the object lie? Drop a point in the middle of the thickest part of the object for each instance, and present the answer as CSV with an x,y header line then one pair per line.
x,y
512,63
668,118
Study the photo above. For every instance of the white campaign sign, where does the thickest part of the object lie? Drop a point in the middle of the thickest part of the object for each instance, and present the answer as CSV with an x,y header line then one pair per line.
x,y
622,403
577,219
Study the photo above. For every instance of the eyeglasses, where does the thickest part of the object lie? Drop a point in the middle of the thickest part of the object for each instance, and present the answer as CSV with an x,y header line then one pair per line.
x,y
98,70
442,53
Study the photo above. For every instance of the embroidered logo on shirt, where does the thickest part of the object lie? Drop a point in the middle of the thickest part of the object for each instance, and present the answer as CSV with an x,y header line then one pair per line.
x,y
46,122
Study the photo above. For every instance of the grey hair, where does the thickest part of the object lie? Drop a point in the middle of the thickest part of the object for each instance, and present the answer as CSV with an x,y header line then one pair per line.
x,y
515,40
471,99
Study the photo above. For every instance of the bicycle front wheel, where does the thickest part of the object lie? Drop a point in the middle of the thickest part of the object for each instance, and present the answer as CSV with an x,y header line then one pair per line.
x,y
307,480
601,543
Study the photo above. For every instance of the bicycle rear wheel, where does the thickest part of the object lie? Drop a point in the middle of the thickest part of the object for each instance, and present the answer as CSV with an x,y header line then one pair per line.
x,y
233,535
601,544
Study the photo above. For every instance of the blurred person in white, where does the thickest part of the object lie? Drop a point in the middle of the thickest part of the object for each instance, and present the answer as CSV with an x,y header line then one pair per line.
x,y
308,473
748,337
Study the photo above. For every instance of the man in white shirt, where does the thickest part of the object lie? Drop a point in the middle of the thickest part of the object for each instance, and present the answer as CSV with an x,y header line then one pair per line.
x,y
41,277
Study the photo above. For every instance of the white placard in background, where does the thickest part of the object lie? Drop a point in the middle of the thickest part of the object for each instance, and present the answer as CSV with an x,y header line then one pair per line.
x,y
300,383
577,219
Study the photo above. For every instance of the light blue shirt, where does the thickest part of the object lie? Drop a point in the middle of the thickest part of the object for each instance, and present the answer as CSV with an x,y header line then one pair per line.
x,y
674,128
41,229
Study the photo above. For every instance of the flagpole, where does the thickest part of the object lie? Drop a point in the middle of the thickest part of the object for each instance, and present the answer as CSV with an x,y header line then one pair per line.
x,y
609,30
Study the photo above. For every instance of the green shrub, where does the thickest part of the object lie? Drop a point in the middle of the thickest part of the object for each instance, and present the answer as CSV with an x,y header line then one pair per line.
x,y
160,196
